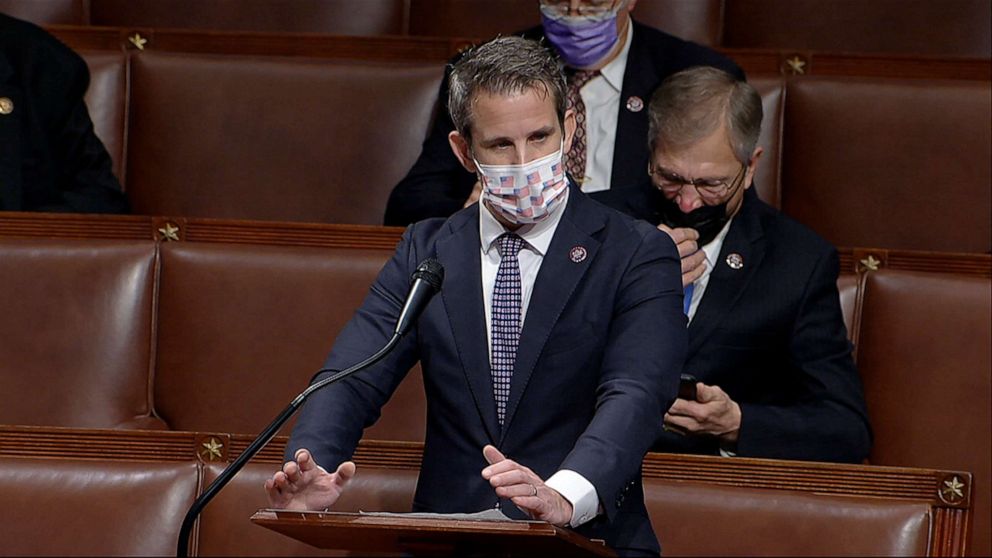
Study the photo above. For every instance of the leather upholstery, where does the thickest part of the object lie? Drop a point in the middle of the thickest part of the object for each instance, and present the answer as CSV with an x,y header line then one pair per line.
x,y
76,324
62,507
910,159
849,287
958,28
106,100
925,362
266,138
225,529
338,17
702,520
767,179
47,12
243,328
698,20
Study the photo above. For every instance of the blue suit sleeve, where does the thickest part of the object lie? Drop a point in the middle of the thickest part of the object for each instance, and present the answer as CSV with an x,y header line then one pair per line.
x,y
639,372
332,420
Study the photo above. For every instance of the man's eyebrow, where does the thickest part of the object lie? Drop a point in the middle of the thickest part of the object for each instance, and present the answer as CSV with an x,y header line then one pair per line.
x,y
546,130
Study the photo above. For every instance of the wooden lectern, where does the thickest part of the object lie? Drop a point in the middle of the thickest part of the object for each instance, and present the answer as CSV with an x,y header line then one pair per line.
x,y
411,535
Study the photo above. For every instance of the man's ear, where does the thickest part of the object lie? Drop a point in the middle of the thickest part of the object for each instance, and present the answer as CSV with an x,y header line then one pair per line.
x,y
752,166
569,125
459,145
631,4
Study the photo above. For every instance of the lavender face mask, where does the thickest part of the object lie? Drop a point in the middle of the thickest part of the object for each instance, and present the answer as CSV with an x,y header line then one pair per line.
x,y
581,41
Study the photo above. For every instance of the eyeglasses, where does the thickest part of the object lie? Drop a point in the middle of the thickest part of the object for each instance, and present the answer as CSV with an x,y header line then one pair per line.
x,y
711,191
563,8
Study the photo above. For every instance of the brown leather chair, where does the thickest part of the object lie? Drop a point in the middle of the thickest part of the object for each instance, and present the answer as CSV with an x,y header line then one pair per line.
x,y
290,139
694,20
48,12
850,287
698,519
106,100
890,163
925,361
226,531
243,328
76,328
338,17
767,181
74,507
929,27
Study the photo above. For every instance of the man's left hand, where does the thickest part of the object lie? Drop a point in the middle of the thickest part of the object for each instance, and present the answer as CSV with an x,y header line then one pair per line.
x,y
713,412
525,489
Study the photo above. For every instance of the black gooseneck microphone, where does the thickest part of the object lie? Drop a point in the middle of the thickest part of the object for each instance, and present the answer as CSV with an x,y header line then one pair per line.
x,y
425,283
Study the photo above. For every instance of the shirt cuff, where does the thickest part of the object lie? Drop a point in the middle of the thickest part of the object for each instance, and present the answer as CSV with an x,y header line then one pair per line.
x,y
579,492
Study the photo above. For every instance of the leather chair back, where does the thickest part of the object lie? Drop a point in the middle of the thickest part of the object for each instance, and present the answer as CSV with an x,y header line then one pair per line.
x,y
76,326
243,328
697,20
335,17
279,139
48,12
929,27
696,519
885,162
925,362
106,100
75,507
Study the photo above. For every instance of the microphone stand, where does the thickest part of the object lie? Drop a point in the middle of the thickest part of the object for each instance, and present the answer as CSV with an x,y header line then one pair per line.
x,y
264,438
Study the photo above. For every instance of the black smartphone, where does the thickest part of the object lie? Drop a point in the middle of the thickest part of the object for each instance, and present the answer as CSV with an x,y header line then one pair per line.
x,y
687,387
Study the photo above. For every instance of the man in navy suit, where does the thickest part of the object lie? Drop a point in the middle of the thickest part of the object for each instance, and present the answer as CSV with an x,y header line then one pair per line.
x,y
767,340
623,62
554,345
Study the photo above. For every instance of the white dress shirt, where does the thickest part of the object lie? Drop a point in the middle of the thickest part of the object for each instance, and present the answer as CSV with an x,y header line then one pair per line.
x,y
601,96
537,238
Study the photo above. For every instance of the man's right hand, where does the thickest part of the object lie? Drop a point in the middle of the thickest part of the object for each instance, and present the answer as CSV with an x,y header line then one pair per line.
x,y
302,485
693,259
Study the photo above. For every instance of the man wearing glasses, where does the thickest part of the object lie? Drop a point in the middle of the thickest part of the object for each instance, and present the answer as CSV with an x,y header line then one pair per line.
x,y
613,64
767,341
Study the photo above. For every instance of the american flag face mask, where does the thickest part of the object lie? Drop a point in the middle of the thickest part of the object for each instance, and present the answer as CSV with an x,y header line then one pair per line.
x,y
527,193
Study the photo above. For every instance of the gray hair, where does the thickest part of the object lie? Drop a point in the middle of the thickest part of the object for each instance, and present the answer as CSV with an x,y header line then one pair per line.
x,y
503,66
691,105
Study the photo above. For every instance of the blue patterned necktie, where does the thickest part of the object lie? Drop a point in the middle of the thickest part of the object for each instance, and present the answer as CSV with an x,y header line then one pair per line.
x,y
505,319
687,297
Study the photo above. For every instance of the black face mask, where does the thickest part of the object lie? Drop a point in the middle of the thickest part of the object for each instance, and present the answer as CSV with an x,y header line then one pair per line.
x,y
708,220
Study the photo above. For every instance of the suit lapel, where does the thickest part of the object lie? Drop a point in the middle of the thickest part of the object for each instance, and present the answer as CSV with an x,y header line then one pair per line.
x,y
639,80
462,294
745,238
11,140
555,285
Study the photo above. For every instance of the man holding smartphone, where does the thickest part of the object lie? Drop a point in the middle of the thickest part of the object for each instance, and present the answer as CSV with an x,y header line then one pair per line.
x,y
767,340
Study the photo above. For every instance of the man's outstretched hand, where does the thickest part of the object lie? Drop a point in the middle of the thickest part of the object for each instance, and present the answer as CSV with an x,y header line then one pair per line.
x,y
303,485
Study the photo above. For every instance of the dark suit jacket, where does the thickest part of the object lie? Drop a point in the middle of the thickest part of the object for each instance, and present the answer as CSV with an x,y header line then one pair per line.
x,y
599,356
50,158
438,185
772,335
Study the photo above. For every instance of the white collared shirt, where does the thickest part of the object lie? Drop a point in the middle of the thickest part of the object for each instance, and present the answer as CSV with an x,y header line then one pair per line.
x,y
537,238
712,251
601,96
